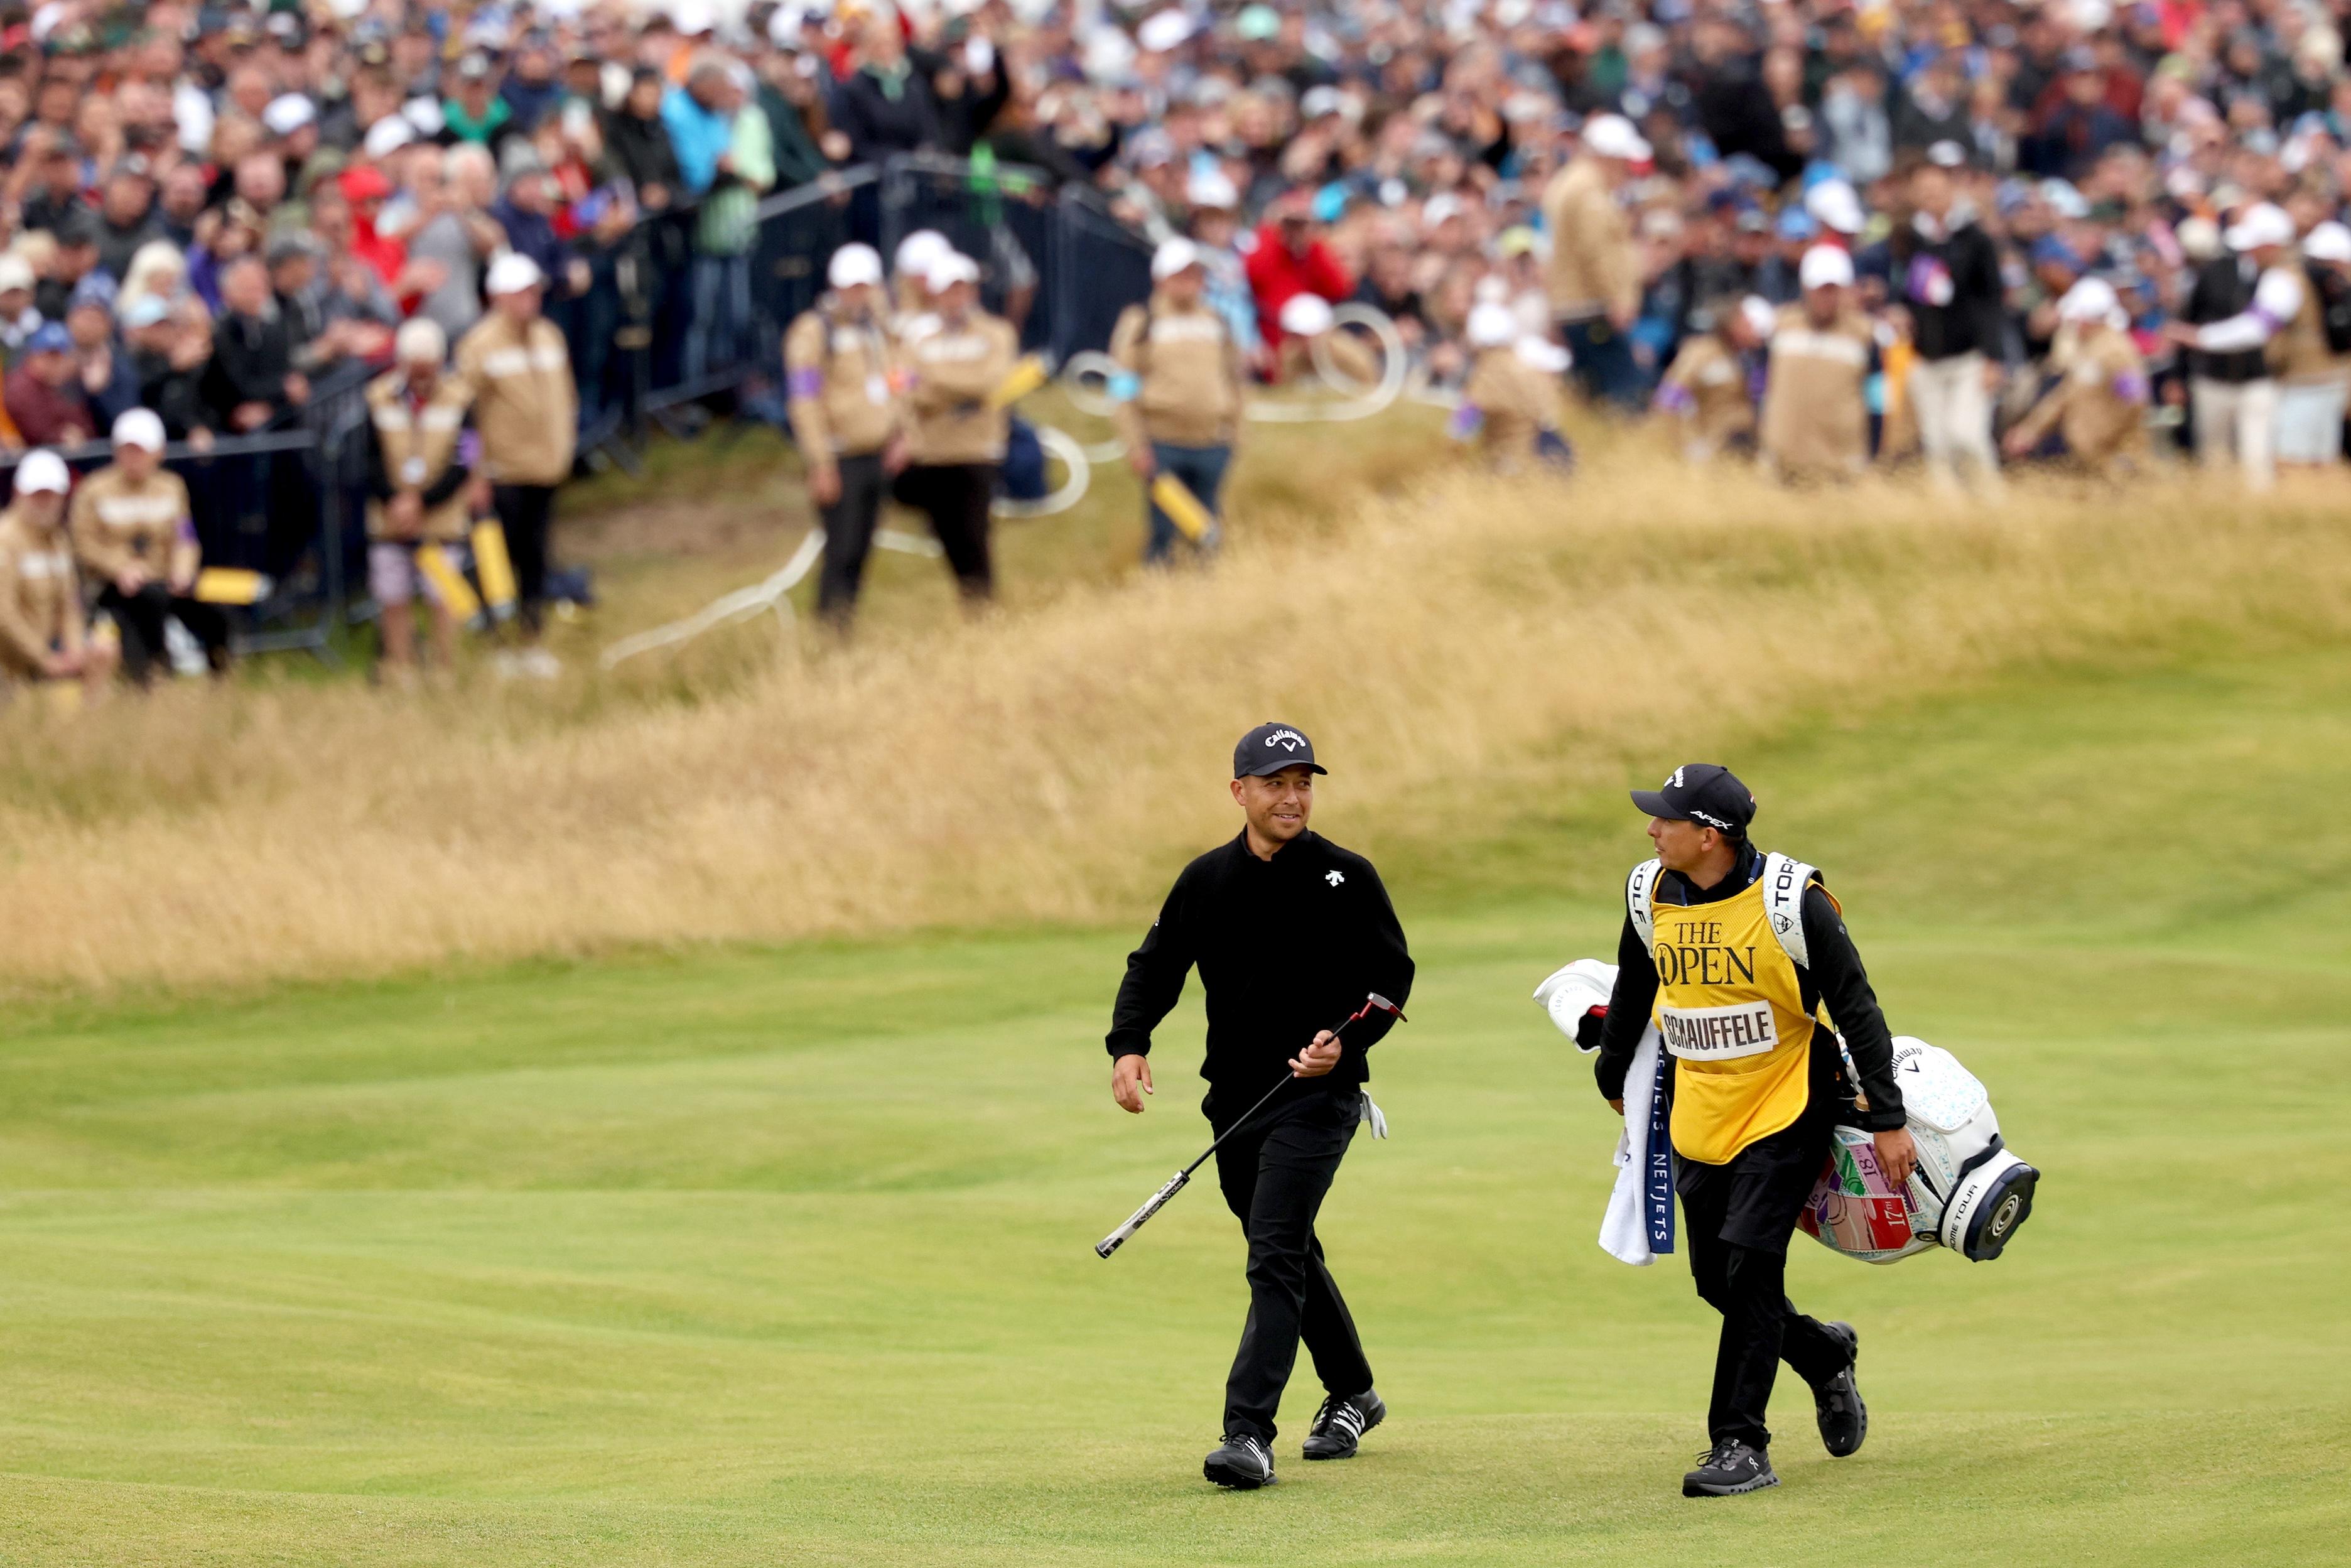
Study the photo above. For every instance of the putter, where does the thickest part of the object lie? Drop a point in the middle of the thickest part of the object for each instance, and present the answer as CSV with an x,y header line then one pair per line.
x,y
1374,1003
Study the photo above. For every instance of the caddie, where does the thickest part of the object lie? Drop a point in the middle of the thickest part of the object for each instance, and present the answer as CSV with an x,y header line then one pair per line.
x,y
1181,381
1742,960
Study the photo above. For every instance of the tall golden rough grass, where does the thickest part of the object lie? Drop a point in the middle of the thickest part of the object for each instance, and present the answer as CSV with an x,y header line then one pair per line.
x,y
1057,764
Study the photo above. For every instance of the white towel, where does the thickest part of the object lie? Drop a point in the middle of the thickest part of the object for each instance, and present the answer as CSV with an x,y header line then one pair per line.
x,y
1624,1229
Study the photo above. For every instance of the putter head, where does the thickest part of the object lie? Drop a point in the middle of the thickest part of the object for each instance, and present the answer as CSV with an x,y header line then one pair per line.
x,y
1376,1003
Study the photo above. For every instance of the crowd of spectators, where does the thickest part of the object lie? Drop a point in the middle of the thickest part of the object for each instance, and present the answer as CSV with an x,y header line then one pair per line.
x,y
213,212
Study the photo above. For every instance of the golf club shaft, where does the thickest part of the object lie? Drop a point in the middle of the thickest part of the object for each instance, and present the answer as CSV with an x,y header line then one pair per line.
x,y
1158,1200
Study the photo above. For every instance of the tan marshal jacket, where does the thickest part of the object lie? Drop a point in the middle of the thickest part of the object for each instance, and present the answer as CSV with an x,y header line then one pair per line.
x,y
2099,405
837,376
525,409
956,369
1515,402
1815,417
117,524
1593,264
40,597
1706,387
1190,375
418,447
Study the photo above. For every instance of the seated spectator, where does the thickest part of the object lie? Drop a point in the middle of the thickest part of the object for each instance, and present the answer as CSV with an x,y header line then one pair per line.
x,y
134,534
18,319
1291,258
42,632
253,380
126,213
75,258
43,392
157,267
421,456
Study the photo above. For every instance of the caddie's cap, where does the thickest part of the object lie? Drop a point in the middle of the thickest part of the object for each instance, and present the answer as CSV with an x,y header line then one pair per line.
x,y
1272,747
1706,793
511,273
42,471
853,265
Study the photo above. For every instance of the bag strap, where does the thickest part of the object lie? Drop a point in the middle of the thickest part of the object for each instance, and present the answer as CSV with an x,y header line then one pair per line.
x,y
1784,881
1640,899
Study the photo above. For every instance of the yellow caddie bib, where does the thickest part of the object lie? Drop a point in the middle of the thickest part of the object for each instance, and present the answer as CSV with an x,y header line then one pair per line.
x,y
1731,1009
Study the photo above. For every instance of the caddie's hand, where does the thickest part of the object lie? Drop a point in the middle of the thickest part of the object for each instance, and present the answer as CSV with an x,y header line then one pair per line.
x,y
1130,1080
1897,1155
824,483
1617,1106
1317,1059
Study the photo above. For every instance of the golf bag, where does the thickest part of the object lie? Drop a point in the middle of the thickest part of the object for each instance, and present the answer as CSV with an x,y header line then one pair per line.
x,y
1968,1194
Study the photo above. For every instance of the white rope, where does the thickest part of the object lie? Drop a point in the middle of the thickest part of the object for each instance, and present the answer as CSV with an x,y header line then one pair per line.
x,y
1078,471
739,605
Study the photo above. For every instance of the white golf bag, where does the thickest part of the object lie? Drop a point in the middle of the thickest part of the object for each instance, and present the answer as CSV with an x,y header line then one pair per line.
x,y
1968,1194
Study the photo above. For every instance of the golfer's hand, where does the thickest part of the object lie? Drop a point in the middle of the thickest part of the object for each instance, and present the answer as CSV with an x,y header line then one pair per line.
x,y
1897,1155
1127,1076
1317,1059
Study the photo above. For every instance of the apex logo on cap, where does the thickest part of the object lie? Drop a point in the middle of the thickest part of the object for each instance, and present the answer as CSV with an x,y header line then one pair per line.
x,y
1288,739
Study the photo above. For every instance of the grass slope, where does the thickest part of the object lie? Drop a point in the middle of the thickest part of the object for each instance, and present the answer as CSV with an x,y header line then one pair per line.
x,y
764,1258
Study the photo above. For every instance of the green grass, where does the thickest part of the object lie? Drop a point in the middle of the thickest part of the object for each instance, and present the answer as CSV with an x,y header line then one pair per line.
x,y
783,1258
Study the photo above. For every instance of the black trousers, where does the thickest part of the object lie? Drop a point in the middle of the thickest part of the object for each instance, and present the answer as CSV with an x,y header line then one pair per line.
x,y
140,616
1736,1218
848,526
524,513
957,498
1274,1176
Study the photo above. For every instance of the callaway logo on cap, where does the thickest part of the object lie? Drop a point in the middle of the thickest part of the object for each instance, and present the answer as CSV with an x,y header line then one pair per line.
x,y
1269,749
1702,792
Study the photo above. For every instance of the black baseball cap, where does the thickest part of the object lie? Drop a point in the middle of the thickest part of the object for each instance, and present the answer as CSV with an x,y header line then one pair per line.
x,y
1706,793
1272,747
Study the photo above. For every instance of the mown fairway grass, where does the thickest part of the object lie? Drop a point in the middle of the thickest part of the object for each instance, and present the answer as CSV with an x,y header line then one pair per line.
x,y
783,1256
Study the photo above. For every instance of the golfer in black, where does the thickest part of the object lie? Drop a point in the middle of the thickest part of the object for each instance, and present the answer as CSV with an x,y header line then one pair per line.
x,y
1290,933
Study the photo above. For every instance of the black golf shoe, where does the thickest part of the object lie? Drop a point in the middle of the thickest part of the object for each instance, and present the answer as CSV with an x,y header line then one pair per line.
x,y
1728,1468
1843,1419
1244,1463
1342,1423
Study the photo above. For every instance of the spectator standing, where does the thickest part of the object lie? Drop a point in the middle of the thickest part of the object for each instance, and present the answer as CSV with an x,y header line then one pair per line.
x,y
135,534
1815,417
42,637
169,353
1947,274
1181,384
885,106
725,159
108,381
526,413
958,443
420,467
841,379
456,232
18,318
254,382
1593,279
2238,301
2313,357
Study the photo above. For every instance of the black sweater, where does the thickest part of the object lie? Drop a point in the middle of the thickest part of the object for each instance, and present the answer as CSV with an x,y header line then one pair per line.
x,y
1836,975
1952,285
1286,948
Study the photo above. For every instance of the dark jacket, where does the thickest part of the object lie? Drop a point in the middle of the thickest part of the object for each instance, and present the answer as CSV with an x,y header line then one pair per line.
x,y
251,356
1286,948
2224,287
1835,976
1952,285
797,158
176,395
640,150
878,125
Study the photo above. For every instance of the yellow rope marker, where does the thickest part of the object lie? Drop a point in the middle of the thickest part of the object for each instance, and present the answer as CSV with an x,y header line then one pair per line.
x,y
457,593
230,585
493,567
1026,377
1183,509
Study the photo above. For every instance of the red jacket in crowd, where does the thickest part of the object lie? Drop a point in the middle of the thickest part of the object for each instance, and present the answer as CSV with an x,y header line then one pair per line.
x,y
1278,274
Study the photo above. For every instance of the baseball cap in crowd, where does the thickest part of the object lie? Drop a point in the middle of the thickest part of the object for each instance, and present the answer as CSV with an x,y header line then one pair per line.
x,y
1306,315
1212,188
1258,23
1163,30
1175,256
853,265
420,341
1706,793
1834,204
1272,747
1826,266
1948,154
512,273
140,427
288,113
2260,225
1795,223
1492,326
145,310
49,337
42,471
387,136
918,250
948,269
2330,241
15,272
1613,136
